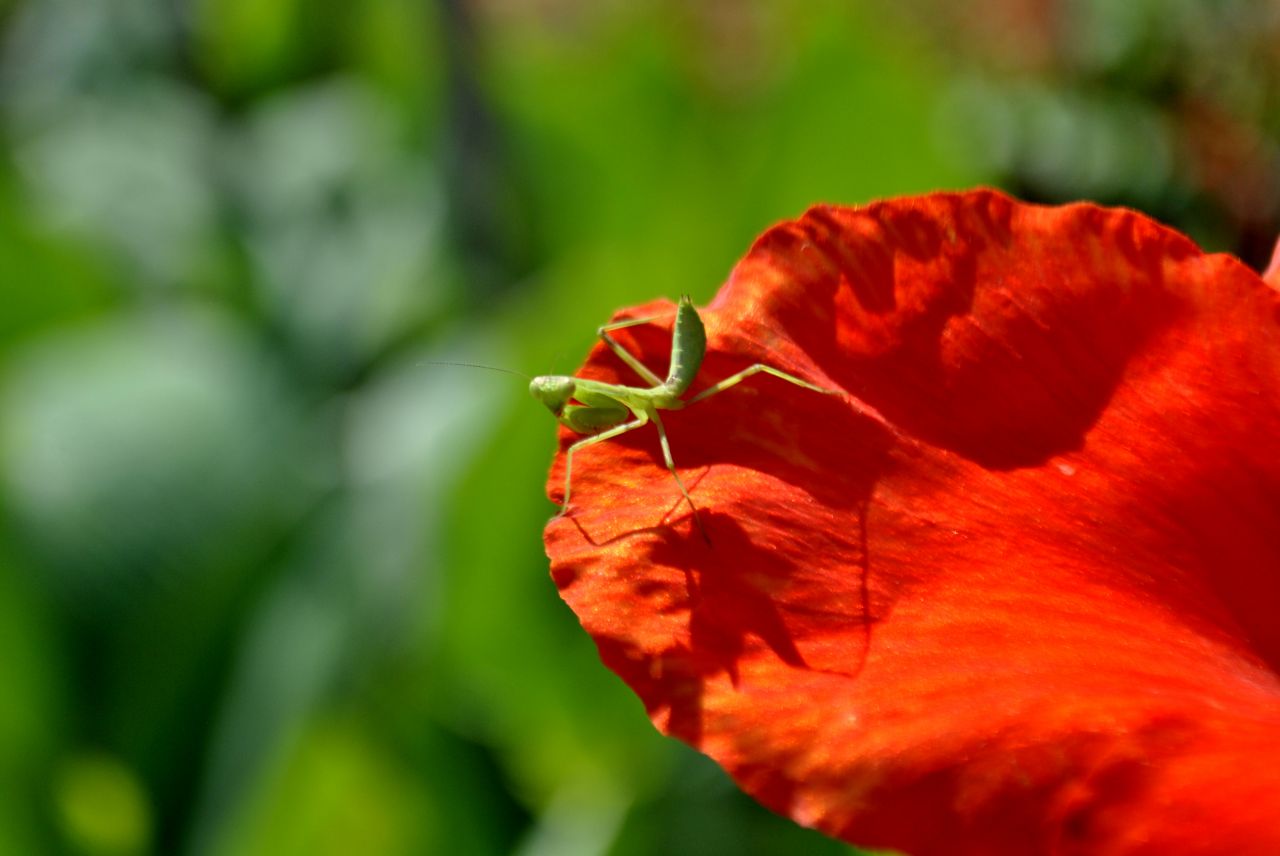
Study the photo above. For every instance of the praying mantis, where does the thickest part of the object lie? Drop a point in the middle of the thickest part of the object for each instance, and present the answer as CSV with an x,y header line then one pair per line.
x,y
607,410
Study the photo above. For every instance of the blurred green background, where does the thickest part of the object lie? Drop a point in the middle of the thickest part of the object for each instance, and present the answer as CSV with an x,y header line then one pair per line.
x,y
271,581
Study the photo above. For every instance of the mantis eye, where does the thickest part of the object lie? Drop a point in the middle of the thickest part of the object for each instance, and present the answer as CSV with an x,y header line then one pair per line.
x,y
552,390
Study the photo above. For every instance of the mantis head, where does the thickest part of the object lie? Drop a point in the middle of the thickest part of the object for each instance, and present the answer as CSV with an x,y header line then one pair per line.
x,y
553,390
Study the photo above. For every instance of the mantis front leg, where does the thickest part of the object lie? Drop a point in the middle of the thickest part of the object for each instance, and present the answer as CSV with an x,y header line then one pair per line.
x,y
617,430
595,438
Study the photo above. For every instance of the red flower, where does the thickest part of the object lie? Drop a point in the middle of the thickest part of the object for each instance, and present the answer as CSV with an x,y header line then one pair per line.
x,y
1019,590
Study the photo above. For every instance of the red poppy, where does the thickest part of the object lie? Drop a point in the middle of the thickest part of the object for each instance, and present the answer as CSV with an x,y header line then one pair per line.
x,y
1017,590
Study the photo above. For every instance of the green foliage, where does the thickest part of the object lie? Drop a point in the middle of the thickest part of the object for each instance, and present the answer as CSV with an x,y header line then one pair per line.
x,y
271,578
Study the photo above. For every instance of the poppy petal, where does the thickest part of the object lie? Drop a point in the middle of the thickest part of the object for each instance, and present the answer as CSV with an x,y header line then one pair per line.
x,y
1014,589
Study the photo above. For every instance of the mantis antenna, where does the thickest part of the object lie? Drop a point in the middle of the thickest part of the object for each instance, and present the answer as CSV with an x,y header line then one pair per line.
x,y
474,366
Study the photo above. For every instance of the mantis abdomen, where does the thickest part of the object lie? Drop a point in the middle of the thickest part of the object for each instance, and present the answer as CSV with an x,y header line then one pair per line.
x,y
688,346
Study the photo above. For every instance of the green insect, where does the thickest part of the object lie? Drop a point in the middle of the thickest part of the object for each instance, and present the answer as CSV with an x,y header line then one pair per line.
x,y
607,410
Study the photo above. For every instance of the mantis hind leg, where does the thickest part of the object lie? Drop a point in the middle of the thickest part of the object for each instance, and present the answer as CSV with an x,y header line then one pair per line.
x,y
596,438
623,354
734,380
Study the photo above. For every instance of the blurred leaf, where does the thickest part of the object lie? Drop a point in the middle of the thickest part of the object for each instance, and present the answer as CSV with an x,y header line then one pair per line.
x,y
1102,146
128,169
397,44
32,699
352,590
579,821
346,223
247,45
102,807
132,446
70,286
336,792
